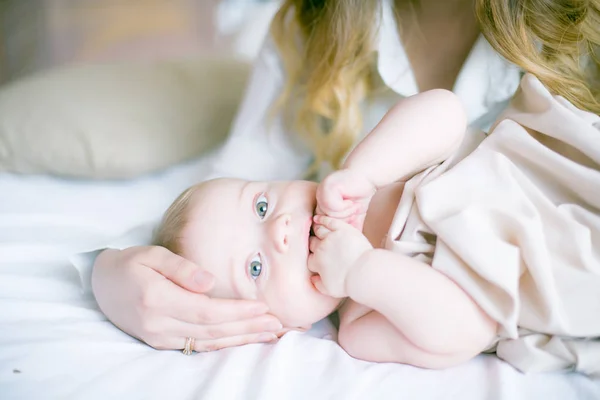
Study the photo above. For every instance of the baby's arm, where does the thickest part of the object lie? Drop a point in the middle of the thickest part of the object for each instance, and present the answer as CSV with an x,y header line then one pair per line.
x,y
417,132
419,317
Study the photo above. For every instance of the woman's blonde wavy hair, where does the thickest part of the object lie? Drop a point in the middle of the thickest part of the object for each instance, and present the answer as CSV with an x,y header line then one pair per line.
x,y
328,51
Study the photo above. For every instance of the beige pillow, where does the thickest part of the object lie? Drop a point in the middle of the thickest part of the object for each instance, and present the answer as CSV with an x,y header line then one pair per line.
x,y
117,121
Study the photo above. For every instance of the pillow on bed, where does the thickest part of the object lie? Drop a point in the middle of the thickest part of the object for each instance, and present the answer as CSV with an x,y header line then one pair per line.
x,y
120,120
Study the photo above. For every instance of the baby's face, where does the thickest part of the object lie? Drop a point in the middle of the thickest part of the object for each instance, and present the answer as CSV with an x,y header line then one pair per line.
x,y
253,236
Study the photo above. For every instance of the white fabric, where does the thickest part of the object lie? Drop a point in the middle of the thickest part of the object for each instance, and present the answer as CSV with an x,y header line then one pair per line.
x,y
56,344
485,84
516,225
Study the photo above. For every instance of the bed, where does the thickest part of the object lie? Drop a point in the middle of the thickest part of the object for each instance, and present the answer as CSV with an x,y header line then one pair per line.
x,y
56,344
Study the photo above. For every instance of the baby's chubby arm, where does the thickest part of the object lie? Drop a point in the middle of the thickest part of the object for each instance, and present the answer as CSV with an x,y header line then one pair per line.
x,y
419,317
419,131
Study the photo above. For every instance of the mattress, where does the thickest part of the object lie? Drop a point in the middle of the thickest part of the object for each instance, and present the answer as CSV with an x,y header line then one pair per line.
x,y
56,344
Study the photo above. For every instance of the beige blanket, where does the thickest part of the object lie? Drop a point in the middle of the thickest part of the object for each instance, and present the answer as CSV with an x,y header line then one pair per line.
x,y
516,223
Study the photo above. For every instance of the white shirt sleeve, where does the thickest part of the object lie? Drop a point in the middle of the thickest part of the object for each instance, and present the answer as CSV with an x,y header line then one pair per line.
x,y
84,259
259,147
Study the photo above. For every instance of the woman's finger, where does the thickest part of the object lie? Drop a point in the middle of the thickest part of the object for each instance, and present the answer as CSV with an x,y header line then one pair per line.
x,y
200,309
263,324
200,346
177,269
232,341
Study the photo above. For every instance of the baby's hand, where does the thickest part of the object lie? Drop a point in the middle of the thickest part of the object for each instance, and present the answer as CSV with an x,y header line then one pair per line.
x,y
345,195
335,249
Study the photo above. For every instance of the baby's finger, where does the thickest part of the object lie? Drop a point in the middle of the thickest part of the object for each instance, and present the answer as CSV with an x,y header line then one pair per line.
x,y
361,207
313,243
331,224
334,205
344,213
331,202
359,222
321,231
356,221
312,263
318,210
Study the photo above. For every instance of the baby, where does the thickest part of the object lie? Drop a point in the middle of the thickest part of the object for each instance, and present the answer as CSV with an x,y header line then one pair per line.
x,y
257,239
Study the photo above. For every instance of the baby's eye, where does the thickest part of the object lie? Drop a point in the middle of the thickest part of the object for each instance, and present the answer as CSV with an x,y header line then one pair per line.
x,y
261,206
255,267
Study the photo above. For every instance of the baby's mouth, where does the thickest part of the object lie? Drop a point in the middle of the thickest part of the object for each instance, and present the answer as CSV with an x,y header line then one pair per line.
x,y
312,222
310,234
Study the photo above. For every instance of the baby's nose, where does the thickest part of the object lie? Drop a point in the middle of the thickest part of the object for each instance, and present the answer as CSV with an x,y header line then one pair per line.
x,y
280,228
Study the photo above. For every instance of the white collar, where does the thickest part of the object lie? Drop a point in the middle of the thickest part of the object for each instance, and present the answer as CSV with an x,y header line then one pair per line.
x,y
485,79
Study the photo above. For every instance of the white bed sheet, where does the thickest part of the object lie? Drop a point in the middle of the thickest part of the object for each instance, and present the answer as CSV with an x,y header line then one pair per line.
x,y
56,344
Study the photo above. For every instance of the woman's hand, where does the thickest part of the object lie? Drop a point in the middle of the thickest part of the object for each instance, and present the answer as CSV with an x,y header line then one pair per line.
x,y
156,296
345,194
335,250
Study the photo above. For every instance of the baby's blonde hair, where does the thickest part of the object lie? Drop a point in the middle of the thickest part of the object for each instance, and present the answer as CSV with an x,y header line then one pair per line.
x,y
175,219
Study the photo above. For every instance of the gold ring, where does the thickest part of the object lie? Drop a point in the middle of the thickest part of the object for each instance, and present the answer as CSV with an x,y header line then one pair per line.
x,y
188,349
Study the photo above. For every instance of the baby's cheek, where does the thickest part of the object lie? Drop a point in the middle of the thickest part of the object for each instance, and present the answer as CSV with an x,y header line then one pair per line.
x,y
283,304
306,307
278,301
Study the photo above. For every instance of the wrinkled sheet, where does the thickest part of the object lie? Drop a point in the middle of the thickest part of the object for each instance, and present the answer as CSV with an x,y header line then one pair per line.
x,y
56,344
516,224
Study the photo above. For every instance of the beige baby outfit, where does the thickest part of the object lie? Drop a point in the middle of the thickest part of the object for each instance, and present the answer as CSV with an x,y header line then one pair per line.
x,y
516,224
